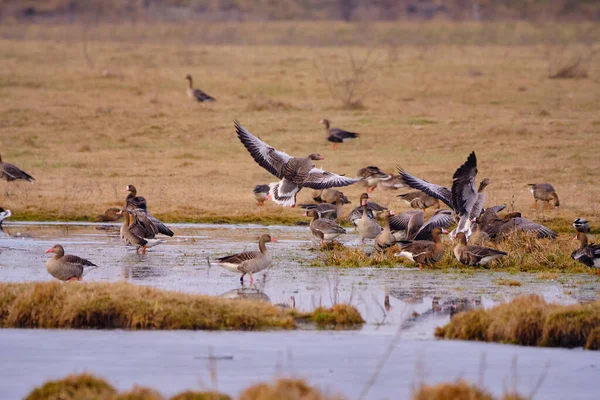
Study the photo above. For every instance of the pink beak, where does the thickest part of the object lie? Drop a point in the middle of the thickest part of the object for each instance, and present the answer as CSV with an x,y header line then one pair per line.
x,y
49,250
392,212
444,231
273,239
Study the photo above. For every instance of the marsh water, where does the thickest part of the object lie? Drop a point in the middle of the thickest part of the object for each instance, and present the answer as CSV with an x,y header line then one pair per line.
x,y
342,362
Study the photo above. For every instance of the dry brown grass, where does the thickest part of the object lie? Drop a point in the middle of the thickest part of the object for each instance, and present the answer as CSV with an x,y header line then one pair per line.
x,y
83,386
425,111
285,389
459,390
529,321
508,282
190,395
126,306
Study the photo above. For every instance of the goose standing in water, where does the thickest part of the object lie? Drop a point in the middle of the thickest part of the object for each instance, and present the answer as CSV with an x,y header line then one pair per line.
x,y
475,256
588,253
336,135
294,173
371,176
385,239
324,228
581,225
423,252
261,192
249,262
368,228
138,207
67,267
543,192
11,172
197,94
134,232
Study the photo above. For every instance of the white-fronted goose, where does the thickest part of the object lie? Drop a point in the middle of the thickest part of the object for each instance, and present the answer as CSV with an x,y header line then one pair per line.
x,y
588,253
67,267
4,214
112,214
336,135
294,173
11,172
327,210
371,176
249,262
420,200
327,195
581,225
474,256
543,192
138,206
324,228
368,228
423,252
133,201
463,199
394,183
411,225
260,194
197,94
385,239
133,232
374,210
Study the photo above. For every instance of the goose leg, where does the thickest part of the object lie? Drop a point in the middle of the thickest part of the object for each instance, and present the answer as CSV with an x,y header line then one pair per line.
x,y
242,278
548,206
420,267
599,272
334,146
251,279
534,204
144,250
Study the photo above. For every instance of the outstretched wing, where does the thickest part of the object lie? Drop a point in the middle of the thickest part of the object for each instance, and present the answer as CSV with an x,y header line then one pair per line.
x,y
436,191
464,194
441,220
320,179
266,156
400,222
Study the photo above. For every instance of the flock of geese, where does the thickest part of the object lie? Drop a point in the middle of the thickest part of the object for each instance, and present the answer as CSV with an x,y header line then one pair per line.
x,y
407,234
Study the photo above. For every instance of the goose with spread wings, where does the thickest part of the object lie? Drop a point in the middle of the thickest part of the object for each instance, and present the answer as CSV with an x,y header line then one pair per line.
x,y
294,172
466,202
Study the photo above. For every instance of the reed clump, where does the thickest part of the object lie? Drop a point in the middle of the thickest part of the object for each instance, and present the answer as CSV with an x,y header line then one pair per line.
x,y
337,255
529,321
285,389
127,306
83,386
190,395
454,390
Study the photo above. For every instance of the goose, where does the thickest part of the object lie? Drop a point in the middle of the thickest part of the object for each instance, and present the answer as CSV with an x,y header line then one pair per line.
x,y
423,251
374,210
197,94
112,214
134,232
137,205
336,135
11,172
581,225
543,192
368,228
385,239
371,176
249,262
327,195
4,214
420,200
475,256
294,173
67,267
327,210
466,202
324,228
260,194
588,253
394,183
410,225
515,222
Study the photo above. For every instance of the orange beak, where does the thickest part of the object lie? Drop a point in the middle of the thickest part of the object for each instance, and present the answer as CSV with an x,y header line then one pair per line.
x,y
49,250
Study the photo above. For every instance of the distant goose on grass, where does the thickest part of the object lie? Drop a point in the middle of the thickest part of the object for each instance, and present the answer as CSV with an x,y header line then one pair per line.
x,y
261,192
324,228
11,172
294,173
197,94
543,192
581,225
472,255
134,231
368,228
112,214
371,176
588,253
138,207
420,200
249,262
423,252
67,267
336,135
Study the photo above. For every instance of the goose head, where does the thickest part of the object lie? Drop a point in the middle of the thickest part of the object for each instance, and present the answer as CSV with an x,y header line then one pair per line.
x,y
315,157
56,249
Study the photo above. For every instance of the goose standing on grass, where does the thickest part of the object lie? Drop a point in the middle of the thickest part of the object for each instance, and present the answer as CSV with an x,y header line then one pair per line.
x,y
294,173
581,225
197,94
11,172
249,262
371,176
543,192
472,255
420,200
260,194
324,228
385,239
423,252
327,210
368,228
67,267
336,135
134,232
588,253
138,207
110,215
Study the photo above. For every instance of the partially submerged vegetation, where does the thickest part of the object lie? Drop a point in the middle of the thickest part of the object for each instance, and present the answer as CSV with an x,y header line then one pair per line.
x,y
529,321
126,306
459,390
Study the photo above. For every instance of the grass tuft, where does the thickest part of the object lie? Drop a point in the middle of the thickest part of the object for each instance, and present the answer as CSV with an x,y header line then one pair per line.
x,y
508,282
189,395
340,316
84,386
285,389
455,390
139,393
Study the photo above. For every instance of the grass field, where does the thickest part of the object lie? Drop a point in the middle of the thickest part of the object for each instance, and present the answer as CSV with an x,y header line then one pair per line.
x,y
88,117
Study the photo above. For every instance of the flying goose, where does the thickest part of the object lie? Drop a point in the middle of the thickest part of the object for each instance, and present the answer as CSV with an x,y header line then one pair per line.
x,y
336,135
294,173
197,94
385,239
327,210
423,251
543,192
420,200
137,206
260,194
11,172
410,225
134,232
394,183
581,225
324,228
371,176
368,228
248,262
462,198
67,267
472,255
588,253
